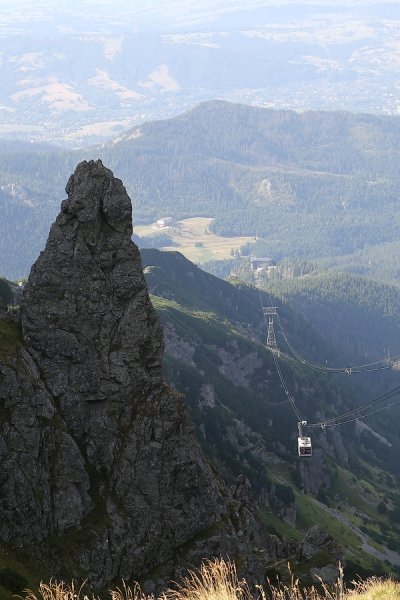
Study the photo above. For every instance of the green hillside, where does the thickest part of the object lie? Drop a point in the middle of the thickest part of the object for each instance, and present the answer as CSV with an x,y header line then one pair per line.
x,y
308,185
215,355
311,184
381,262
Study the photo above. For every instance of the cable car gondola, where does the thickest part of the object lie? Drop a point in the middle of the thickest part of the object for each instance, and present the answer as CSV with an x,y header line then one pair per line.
x,y
304,445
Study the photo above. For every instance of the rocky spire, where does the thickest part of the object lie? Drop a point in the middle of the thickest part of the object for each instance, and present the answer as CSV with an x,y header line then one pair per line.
x,y
87,315
97,341
95,450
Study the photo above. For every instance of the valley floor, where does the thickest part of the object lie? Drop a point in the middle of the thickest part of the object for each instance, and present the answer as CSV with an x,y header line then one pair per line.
x,y
194,239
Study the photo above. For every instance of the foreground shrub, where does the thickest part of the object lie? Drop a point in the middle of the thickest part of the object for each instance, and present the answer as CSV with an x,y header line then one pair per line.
x,y
55,591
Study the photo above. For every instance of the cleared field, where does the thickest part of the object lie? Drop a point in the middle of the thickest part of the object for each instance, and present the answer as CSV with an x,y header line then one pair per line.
x,y
107,128
161,78
60,96
103,81
196,230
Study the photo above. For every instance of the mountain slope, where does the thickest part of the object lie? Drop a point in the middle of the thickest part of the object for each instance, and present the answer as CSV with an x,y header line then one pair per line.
x,y
245,424
5,291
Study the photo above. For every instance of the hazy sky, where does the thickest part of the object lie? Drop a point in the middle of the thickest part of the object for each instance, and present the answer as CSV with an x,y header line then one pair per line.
x,y
69,17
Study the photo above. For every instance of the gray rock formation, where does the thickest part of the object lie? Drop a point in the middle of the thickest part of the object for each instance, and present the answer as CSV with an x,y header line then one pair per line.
x,y
314,474
97,454
317,544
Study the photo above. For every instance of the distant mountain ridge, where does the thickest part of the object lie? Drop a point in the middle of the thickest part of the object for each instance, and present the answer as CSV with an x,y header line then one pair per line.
x,y
310,185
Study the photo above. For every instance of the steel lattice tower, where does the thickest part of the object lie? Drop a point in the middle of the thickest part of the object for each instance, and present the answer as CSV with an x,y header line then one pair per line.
x,y
271,339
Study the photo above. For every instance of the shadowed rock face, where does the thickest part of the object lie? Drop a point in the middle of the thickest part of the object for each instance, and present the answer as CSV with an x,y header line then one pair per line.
x,y
3,308
96,450
87,316
316,542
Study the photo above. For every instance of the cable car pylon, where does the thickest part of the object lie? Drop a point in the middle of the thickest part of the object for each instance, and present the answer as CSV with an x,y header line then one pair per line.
x,y
270,311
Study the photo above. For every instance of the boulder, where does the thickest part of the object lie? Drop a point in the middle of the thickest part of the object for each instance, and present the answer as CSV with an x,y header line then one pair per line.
x,y
320,548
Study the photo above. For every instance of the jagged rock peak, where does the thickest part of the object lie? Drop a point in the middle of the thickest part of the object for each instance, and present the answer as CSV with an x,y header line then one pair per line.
x,y
107,448
86,312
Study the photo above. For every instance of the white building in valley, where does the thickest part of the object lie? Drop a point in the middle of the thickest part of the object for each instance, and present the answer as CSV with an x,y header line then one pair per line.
x,y
261,262
164,222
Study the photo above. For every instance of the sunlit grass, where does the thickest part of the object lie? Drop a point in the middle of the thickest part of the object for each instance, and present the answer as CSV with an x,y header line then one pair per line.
x,y
217,580
55,591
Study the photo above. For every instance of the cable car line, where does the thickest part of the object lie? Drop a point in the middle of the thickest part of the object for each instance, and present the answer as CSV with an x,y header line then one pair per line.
x,y
304,443
304,446
274,354
327,370
363,407
338,370
288,394
323,425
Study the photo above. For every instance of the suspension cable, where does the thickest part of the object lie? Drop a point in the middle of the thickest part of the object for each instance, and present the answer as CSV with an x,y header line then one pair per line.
x,y
323,425
338,370
283,382
361,408
334,421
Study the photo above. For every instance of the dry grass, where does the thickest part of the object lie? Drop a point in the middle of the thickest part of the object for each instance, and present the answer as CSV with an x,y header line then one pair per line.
x,y
55,591
375,589
128,593
293,591
218,580
215,580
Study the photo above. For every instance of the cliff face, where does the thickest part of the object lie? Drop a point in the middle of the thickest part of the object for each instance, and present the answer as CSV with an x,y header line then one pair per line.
x,y
97,455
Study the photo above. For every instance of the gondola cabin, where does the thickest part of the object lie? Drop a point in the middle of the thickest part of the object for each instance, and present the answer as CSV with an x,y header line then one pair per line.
x,y
304,446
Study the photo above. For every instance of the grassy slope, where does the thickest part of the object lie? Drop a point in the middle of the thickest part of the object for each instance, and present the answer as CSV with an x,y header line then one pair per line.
x,y
23,565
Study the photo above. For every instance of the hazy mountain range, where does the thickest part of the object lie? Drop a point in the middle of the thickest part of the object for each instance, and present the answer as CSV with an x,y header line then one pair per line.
x,y
75,73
